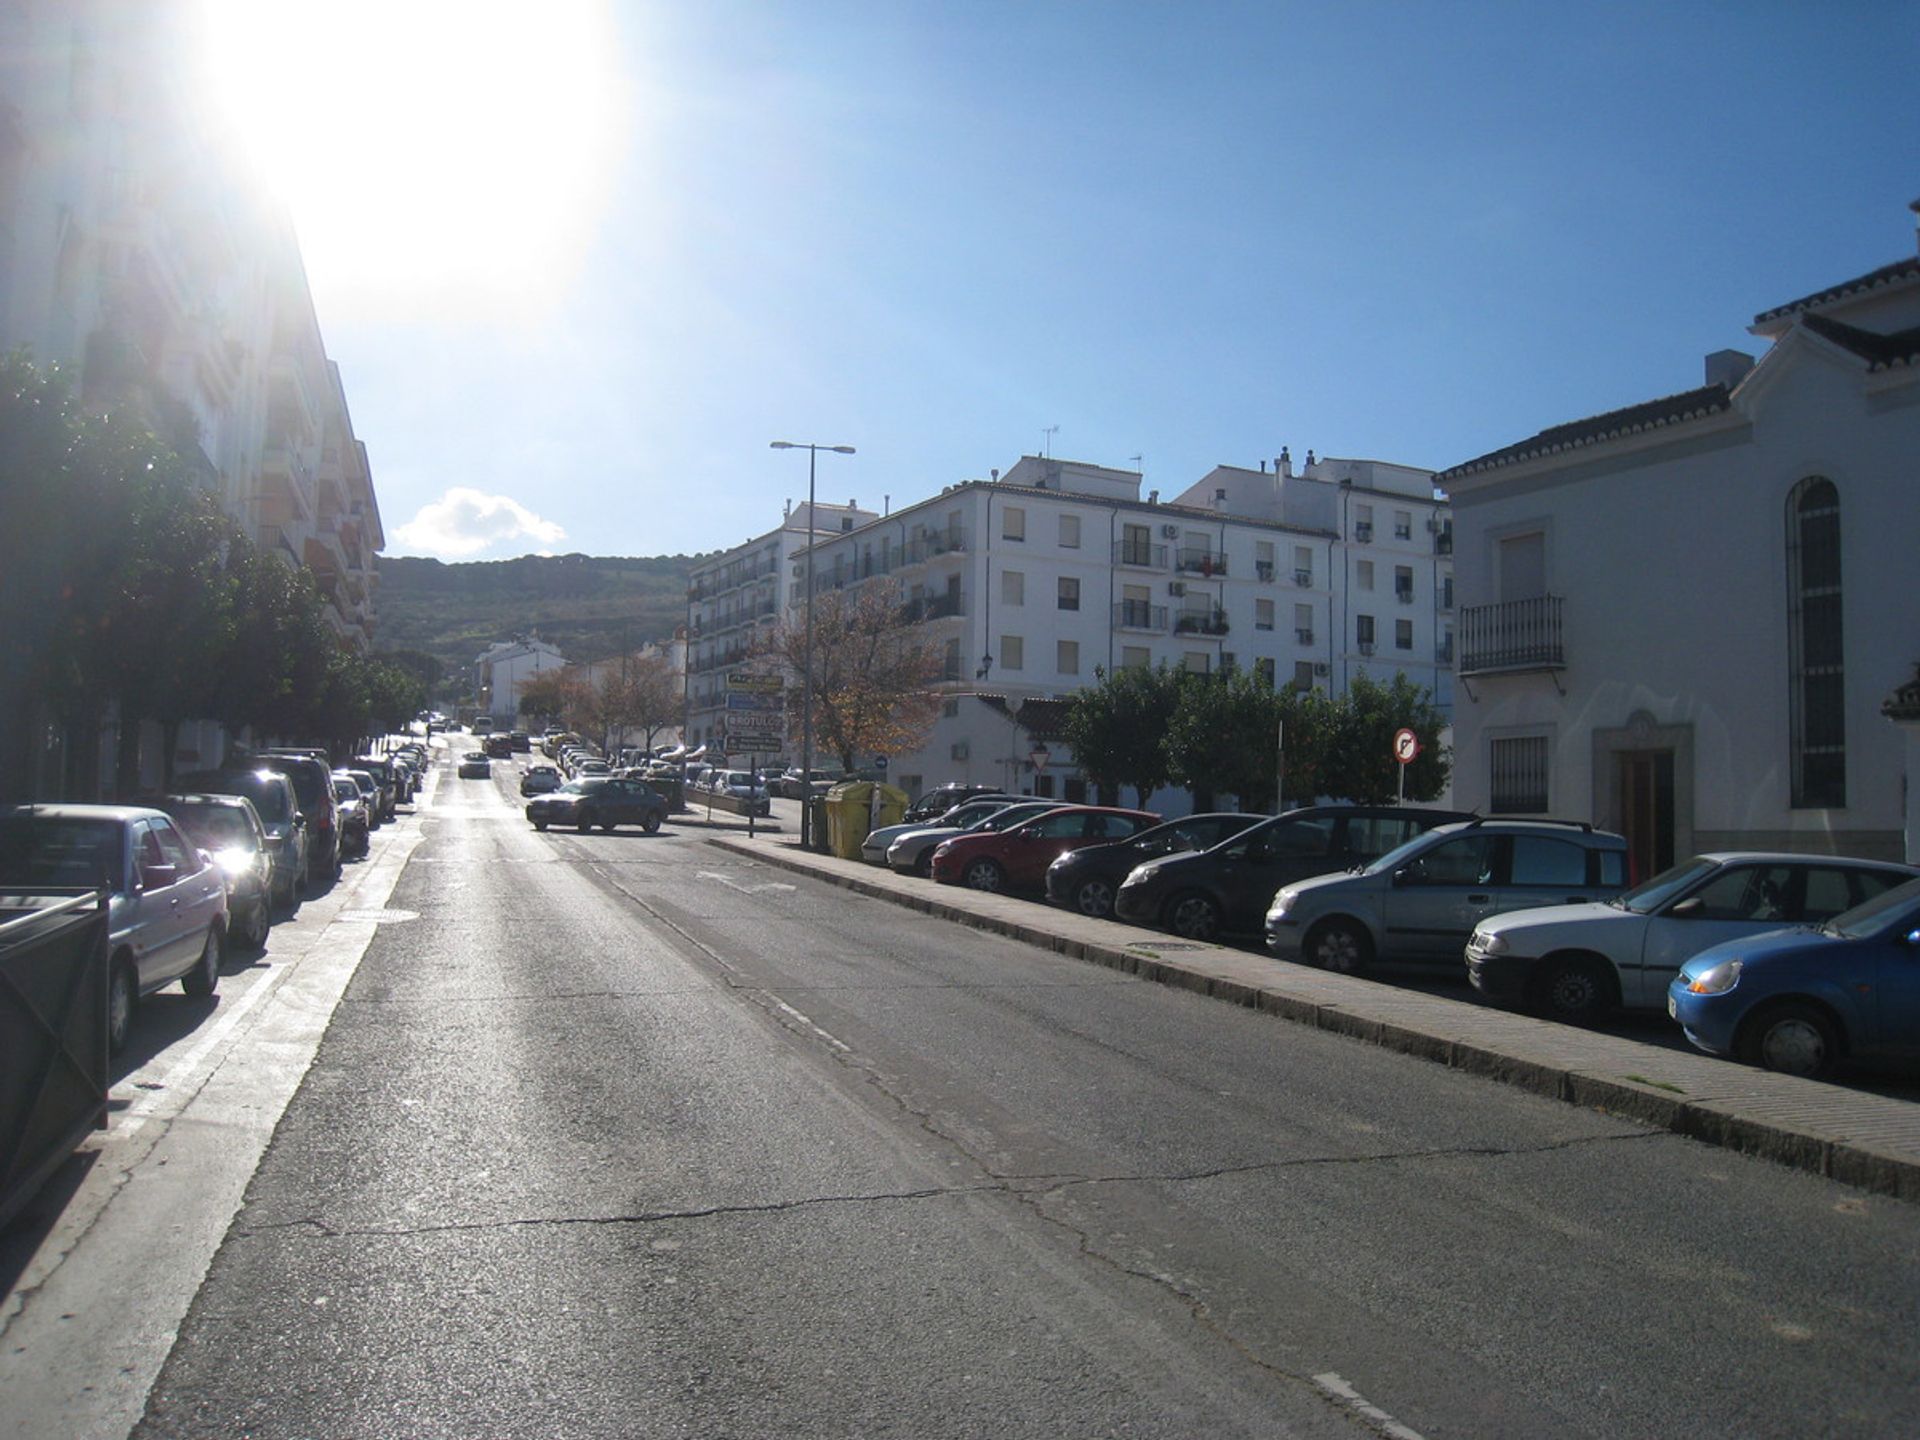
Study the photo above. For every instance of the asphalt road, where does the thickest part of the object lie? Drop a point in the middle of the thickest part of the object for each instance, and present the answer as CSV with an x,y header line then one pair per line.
x,y
620,1135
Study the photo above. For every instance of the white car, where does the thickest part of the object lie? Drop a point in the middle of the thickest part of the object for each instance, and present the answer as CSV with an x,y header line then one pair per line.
x,y
912,853
1577,962
874,848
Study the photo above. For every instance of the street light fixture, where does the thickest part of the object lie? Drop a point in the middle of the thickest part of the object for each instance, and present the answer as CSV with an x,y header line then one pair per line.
x,y
806,678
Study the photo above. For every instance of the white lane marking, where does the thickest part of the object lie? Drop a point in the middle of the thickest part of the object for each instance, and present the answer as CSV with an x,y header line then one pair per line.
x,y
733,884
1340,1390
813,1027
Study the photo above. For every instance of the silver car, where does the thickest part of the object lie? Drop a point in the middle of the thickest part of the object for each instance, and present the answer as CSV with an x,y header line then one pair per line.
x,y
912,853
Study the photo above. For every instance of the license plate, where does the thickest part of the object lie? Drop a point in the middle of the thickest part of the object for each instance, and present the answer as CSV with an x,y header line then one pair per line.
x,y
1673,1008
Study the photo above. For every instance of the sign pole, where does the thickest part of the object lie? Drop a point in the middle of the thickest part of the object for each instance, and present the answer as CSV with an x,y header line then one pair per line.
x,y
1280,767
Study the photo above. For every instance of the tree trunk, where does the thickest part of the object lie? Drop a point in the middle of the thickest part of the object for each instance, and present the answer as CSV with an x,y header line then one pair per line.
x,y
169,742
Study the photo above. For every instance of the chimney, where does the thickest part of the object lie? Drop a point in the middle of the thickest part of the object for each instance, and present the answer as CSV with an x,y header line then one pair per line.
x,y
1283,467
1263,467
1728,367
994,473
1153,497
1310,463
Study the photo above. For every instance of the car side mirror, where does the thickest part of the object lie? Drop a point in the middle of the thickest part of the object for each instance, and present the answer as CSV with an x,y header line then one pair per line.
x,y
1692,906
1913,940
158,877
1402,877
299,819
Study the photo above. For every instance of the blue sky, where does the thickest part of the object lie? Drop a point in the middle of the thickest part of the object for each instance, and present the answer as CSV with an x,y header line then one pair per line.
x,y
1190,233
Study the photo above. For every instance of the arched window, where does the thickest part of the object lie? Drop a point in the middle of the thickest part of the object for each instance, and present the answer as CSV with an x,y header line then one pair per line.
x,y
1816,656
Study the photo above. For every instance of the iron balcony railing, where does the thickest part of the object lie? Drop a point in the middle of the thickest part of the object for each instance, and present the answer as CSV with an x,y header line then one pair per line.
x,y
1139,615
932,546
1200,622
1199,561
1512,635
931,607
1140,554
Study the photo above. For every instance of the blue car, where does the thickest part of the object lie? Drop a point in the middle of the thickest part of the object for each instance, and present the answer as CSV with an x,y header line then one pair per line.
x,y
1797,1000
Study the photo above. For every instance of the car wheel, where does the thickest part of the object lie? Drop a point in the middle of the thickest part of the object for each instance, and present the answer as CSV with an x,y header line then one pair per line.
x,y
539,824
1792,1037
985,875
204,978
608,824
1095,898
260,926
122,996
650,822
1193,917
1340,946
1573,990
923,866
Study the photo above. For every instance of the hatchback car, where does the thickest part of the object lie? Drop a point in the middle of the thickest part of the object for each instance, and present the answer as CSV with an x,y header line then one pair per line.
x,y
602,800
1228,888
1798,1000
1420,903
228,828
166,904
942,798
356,813
912,853
540,780
313,784
1578,962
1086,879
474,765
874,848
1017,858
274,801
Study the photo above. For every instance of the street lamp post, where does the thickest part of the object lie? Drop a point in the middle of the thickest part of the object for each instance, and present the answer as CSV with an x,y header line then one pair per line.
x,y
806,678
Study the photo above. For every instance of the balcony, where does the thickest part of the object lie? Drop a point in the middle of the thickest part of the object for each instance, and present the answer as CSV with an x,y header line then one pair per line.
x,y
925,547
1139,555
1514,636
1443,541
1443,652
1202,562
1304,637
1363,531
931,607
1200,622
1303,578
1263,570
1140,615
1403,593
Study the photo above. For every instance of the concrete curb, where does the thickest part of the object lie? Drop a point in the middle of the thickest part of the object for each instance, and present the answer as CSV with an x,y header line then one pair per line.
x,y
1869,1142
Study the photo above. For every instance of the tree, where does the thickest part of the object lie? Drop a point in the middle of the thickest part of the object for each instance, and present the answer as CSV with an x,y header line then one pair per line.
x,y
552,695
1221,738
872,673
1359,763
1118,726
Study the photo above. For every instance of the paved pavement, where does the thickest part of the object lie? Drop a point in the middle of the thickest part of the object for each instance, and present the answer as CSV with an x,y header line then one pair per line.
x,y
1861,1139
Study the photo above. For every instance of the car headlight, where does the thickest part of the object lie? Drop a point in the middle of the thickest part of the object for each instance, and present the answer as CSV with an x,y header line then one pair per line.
x,y
1716,981
235,862
1282,903
1488,944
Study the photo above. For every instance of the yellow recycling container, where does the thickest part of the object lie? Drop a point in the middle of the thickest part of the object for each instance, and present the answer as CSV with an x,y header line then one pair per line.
x,y
856,806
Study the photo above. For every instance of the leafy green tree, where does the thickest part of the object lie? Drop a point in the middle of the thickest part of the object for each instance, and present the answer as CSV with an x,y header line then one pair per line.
x,y
1359,764
1118,726
1221,738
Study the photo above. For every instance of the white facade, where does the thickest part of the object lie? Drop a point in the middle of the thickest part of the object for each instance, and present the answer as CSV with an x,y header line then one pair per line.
x,y
501,669
1660,631
1033,581
737,597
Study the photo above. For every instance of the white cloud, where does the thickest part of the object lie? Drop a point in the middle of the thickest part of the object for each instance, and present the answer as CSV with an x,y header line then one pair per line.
x,y
464,522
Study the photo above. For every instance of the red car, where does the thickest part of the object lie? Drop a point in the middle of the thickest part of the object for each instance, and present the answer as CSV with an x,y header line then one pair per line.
x,y
1017,859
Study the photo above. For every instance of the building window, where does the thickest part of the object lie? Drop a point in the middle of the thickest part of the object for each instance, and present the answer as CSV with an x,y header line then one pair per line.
x,y
1816,654
1069,593
951,708
1196,662
1403,524
1135,655
1303,675
1069,532
1363,633
1403,634
1013,587
1403,584
1013,523
1363,574
1519,769
950,662
1013,653
1263,614
1264,669
1069,657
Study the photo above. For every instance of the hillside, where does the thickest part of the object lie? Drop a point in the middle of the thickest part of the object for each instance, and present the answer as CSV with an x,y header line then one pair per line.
x,y
588,606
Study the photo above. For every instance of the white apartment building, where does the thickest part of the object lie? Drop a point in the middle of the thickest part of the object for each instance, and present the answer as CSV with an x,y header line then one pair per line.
x,y
1030,582
500,670
1683,620
137,258
737,596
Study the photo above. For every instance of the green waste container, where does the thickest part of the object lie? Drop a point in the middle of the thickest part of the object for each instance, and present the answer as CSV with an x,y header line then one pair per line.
x,y
856,806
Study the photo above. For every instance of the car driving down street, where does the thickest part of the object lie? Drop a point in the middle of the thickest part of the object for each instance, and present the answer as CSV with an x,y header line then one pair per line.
x,y
602,800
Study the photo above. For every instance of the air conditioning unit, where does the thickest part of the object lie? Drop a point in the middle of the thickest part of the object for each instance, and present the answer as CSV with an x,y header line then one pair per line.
x,y
1176,587
1169,532
958,750
1319,667
1303,578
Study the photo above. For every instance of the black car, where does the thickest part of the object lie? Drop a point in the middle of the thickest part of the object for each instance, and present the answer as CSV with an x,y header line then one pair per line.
x,y
942,798
278,807
1228,888
313,783
229,829
603,800
1085,880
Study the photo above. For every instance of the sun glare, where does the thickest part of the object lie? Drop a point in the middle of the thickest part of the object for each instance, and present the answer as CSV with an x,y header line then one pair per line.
x,y
433,153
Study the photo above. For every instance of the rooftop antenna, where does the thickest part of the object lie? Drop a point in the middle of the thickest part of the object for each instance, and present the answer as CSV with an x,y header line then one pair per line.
x,y
1135,460
1046,448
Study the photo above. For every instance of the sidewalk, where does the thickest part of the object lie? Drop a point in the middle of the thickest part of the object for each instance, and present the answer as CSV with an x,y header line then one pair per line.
x,y
1868,1141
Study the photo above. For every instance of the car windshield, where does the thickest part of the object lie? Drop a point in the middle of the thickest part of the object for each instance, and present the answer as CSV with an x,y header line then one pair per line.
x,y
1013,815
60,850
268,795
1649,895
215,826
346,789
972,813
1400,855
1889,910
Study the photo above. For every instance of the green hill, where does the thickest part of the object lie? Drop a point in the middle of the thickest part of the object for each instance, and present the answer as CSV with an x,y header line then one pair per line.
x,y
589,607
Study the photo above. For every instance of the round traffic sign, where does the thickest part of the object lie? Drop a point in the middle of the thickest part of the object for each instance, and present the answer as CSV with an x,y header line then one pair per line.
x,y
1406,745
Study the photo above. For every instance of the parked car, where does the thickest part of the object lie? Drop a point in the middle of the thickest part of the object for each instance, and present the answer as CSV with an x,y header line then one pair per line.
x,y
278,807
912,853
792,785
743,786
942,798
540,780
600,800
1227,889
1087,879
1017,858
356,814
166,904
1578,962
1420,903
474,765
874,848
227,828
313,784
386,774
1798,1000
